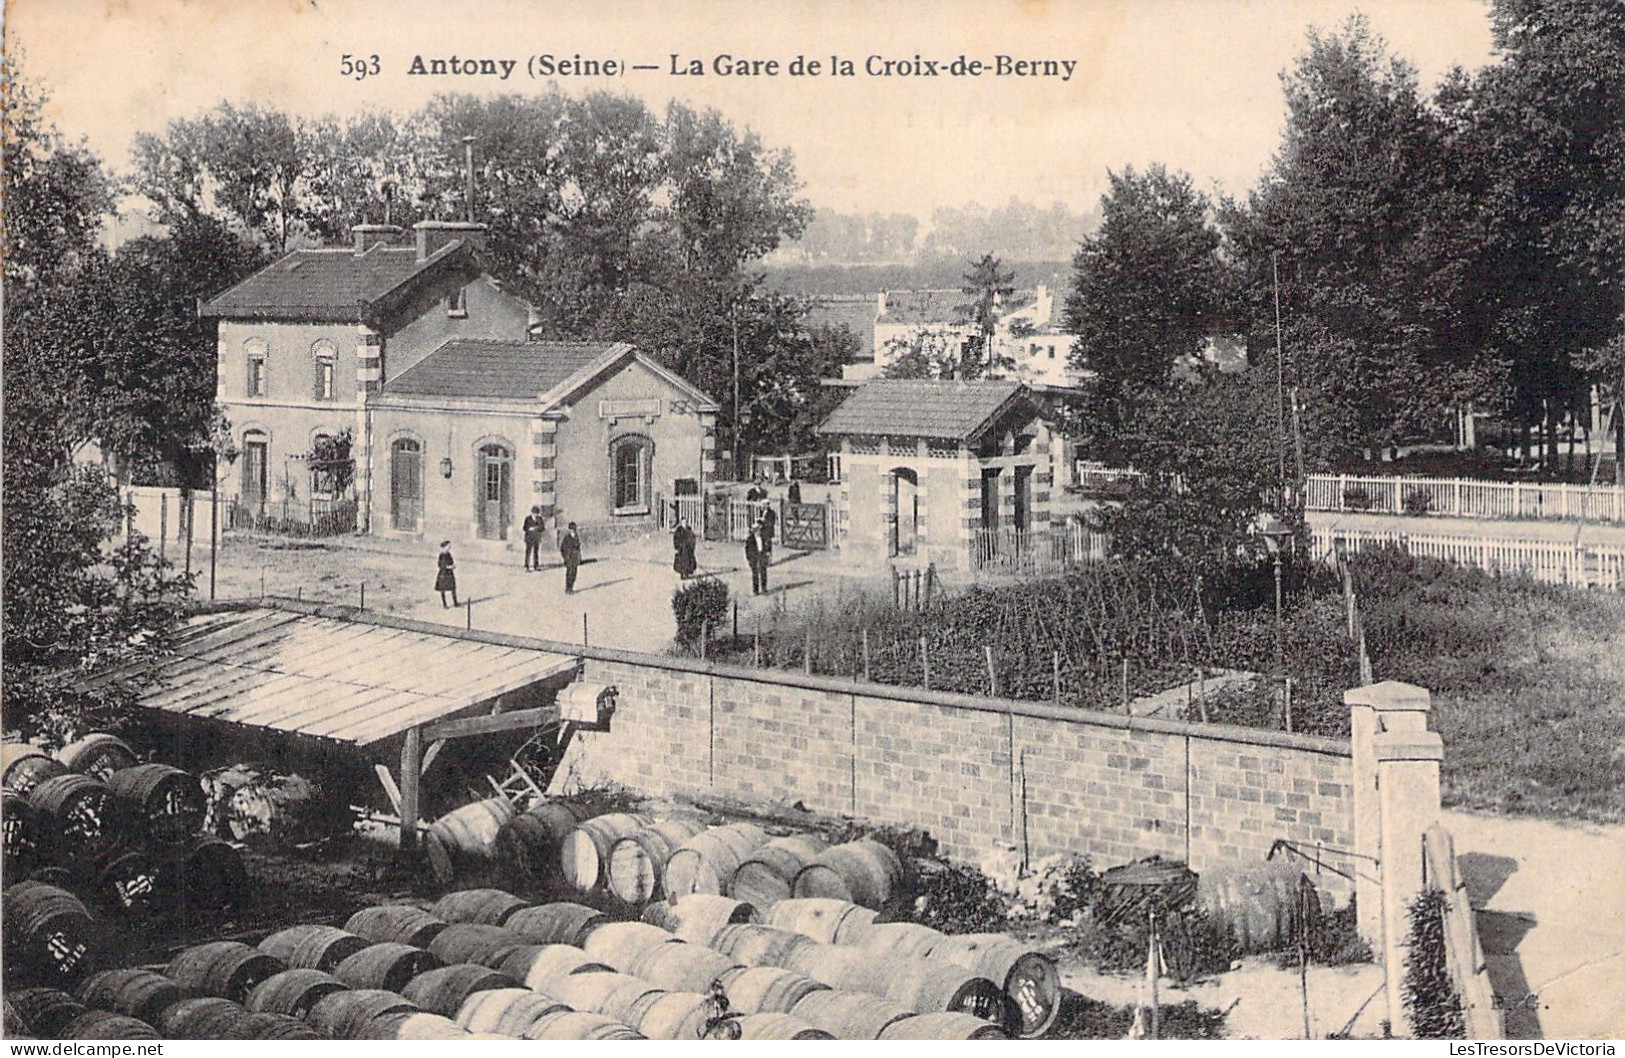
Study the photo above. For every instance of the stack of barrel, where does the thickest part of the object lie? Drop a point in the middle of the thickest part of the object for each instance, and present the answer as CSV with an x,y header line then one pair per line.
x,y
124,834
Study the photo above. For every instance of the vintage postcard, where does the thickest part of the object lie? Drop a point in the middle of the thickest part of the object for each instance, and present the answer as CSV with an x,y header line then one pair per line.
x,y
840,519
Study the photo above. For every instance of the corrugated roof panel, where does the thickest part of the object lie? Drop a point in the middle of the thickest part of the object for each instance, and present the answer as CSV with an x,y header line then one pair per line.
x,y
334,679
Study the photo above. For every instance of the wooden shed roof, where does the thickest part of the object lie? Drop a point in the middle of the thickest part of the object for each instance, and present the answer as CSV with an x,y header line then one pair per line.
x,y
333,679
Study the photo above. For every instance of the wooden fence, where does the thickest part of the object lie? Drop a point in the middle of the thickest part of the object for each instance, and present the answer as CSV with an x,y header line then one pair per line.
x,y
1464,498
1550,561
1059,546
313,517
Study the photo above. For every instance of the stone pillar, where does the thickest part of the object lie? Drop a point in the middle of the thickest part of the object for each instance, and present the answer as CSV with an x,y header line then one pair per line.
x,y
1375,708
543,469
1408,794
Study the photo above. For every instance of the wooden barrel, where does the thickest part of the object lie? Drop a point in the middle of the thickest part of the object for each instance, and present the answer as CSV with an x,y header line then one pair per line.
x,y
510,1011
682,967
927,986
534,965
24,766
270,1026
706,862
1031,983
313,947
580,1025
946,1025
849,1015
465,838
202,1018
49,936
855,969
20,849
138,993
1260,904
678,1016
825,920
697,916
758,945
413,1026
487,907
224,968
165,804
130,881
106,1025
207,872
556,923
622,944
584,852
443,990
614,995
293,991
767,875
637,862
527,846
397,924
475,943
902,938
97,755
344,1015
767,989
864,872
777,1026
78,816
388,966
46,1011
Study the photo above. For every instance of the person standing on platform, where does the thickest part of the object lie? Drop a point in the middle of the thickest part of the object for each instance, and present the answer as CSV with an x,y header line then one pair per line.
x,y
535,524
682,543
570,552
445,580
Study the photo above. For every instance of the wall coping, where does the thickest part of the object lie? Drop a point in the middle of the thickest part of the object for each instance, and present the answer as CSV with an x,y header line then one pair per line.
x,y
1251,736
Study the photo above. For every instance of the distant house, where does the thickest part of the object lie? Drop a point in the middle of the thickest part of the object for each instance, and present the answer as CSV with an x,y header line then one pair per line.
x,y
1027,334
459,423
939,471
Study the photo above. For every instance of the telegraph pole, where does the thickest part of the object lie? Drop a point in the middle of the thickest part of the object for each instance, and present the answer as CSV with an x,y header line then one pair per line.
x,y
1280,377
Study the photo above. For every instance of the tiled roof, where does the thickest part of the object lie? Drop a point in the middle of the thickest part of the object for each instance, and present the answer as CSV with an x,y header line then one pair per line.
x,y
856,312
324,285
498,370
955,411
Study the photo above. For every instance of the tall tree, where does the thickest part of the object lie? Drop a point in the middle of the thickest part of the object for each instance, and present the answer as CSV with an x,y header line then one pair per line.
x,y
988,286
1144,291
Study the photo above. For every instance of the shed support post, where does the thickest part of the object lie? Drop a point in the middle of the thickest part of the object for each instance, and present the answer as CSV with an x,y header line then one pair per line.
x,y
411,772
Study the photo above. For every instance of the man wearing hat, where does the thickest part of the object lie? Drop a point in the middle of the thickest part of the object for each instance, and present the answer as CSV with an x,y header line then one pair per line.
x,y
570,552
534,525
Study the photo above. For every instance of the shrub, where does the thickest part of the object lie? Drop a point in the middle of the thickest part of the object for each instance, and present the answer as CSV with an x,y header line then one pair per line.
x,y
956,899
1082,1018
699,604
1356,498
1431,1000
1417,501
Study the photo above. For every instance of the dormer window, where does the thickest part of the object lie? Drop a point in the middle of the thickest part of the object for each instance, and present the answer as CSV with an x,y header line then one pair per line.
x,y
325,360
457,304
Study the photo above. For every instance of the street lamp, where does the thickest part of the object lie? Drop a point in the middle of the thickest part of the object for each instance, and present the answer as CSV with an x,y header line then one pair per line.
x,y
1275,534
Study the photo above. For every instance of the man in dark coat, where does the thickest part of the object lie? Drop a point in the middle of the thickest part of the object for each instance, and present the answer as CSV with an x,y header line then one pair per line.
x,y
534,526
570,552
757,553
682,542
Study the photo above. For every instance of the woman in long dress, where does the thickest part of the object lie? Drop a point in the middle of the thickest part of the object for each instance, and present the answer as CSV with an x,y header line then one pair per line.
x,y
682,542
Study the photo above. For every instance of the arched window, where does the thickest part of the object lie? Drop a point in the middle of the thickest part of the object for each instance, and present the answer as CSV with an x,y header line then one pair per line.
x,y
631,460
325,359
493,484
256,467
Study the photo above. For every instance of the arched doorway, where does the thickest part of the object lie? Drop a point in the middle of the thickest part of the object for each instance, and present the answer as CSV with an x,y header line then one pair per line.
x,y
903,507
256,469
495,485
405,484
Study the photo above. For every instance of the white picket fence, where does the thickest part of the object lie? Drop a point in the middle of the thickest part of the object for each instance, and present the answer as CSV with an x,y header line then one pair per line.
x,y
1059,546
1464,498
1554,562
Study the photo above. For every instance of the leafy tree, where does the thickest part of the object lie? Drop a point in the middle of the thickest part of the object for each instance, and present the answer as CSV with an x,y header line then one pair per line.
x,y
989,287
932,352
1145,291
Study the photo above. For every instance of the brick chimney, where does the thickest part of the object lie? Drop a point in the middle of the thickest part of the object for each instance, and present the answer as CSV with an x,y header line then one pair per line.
x,y
367,236
434,234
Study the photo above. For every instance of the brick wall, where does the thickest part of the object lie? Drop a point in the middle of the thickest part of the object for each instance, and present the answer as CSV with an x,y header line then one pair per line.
x,y
974,772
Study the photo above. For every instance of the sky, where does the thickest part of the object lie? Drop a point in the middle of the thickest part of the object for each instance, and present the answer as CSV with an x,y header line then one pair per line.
x,y
1193,84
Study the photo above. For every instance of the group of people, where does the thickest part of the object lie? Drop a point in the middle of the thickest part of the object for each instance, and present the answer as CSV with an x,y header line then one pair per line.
x,y
758,550
445,580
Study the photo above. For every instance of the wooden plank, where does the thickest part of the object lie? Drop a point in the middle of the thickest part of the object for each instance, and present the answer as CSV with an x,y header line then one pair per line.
x,y
388,782
433,752
379,725
490,725
411,770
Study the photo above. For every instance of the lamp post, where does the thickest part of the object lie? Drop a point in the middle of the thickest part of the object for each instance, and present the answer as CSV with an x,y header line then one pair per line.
x,y
1275,534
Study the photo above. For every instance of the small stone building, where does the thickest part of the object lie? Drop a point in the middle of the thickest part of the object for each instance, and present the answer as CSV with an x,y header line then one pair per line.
x,y
943,472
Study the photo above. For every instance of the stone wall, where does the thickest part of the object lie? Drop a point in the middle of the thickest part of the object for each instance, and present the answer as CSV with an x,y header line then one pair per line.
x,y
974,772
